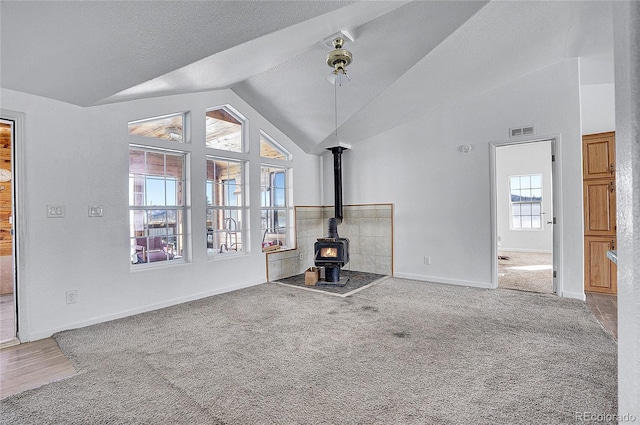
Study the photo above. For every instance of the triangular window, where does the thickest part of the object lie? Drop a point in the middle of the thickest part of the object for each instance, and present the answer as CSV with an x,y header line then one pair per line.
x,y
271,150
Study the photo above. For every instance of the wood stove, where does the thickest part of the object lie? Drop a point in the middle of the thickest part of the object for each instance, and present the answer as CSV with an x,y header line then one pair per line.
x,y
332,252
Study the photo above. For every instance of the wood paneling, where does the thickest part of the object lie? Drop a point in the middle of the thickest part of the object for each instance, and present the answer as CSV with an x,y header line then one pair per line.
x,y
599,207
600,272
6,196
598,155
599,182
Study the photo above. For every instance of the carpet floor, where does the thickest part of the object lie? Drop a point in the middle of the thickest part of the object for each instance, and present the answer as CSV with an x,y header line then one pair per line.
x,y
398,352
526,271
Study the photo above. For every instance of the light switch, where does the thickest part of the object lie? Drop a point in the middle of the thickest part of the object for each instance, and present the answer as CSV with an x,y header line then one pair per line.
x,y
95,211
55,211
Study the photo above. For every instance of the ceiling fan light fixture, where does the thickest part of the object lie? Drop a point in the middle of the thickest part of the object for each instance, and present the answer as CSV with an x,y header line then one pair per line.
x,y
339,58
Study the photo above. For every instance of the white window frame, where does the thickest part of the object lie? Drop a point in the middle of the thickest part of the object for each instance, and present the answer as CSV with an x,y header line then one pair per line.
x,y
173,245
234,229
286,208
521,203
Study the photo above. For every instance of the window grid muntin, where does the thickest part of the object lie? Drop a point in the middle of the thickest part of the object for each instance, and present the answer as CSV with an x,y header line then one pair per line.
x,y
274,212
149,233
226,209
525,195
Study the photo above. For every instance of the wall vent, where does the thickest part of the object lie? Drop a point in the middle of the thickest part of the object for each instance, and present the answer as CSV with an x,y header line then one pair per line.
x,y
527,130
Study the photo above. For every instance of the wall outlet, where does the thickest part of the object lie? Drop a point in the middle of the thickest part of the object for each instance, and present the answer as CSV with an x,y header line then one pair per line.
x,y
301,256
427,260
72,296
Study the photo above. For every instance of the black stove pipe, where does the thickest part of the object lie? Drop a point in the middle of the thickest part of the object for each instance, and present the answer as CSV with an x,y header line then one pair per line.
x,y
337,180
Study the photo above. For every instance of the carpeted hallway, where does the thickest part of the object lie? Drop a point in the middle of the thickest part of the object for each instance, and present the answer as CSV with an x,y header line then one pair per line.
x,y
525,271
399,352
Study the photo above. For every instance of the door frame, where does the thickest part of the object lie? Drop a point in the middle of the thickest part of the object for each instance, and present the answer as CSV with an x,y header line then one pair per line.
x,y
19,221
556,200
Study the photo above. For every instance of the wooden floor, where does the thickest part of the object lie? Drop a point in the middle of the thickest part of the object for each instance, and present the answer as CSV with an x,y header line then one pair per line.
x,y
31,365
7,318
605,308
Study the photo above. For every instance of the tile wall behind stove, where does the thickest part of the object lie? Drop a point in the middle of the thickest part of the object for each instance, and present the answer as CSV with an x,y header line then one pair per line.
x,y
368,227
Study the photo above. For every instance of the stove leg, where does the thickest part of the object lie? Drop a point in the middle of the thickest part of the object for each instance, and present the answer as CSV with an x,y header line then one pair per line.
x,y
332,274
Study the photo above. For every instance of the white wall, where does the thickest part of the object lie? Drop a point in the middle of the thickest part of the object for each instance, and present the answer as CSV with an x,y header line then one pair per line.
x,y
598,108
523,159
442,196
78,157
627,74
597,94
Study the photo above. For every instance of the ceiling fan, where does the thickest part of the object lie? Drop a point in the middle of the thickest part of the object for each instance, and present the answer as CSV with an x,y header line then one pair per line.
x,y
339,59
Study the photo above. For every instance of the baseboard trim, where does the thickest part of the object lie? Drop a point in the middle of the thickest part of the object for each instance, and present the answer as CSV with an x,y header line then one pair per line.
x,y
575,295
439,279
34,336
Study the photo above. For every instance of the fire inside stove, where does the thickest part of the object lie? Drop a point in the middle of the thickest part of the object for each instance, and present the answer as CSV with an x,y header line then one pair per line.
x,y
329,252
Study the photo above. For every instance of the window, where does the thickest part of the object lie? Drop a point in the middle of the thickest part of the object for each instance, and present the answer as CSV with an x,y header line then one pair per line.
x,y
526,201
224,130
156,205
225,206
273,200
271,150
167,127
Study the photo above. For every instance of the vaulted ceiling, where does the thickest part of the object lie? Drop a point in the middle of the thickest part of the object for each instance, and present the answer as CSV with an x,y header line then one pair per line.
x,y
409,56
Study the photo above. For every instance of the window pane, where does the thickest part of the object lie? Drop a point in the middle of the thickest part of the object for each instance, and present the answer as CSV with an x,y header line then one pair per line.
x,y
157,222
175,166
278,200
155,164
536,194
525,182
535,209
515,221
136,162
525,209
272,150
526,222
223,131
155,191
168,127
536,182
516,209
138,220
525,195
136,190
172,192
282,219
536,222
515,182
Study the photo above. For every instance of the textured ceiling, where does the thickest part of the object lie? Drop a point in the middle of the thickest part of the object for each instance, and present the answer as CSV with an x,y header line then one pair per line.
x,y
409,57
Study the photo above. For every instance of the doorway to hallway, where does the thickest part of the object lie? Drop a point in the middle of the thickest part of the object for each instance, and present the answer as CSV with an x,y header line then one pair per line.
x,y
524,216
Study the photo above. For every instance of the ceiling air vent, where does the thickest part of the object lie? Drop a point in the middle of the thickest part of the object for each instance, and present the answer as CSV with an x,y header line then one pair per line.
x,y
528,130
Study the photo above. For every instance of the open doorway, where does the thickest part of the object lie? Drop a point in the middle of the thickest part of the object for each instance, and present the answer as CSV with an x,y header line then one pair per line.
x,y
524,216
8,329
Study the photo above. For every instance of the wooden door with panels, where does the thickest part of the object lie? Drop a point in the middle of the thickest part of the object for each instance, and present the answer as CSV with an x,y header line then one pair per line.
x,y
6,210
599,185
